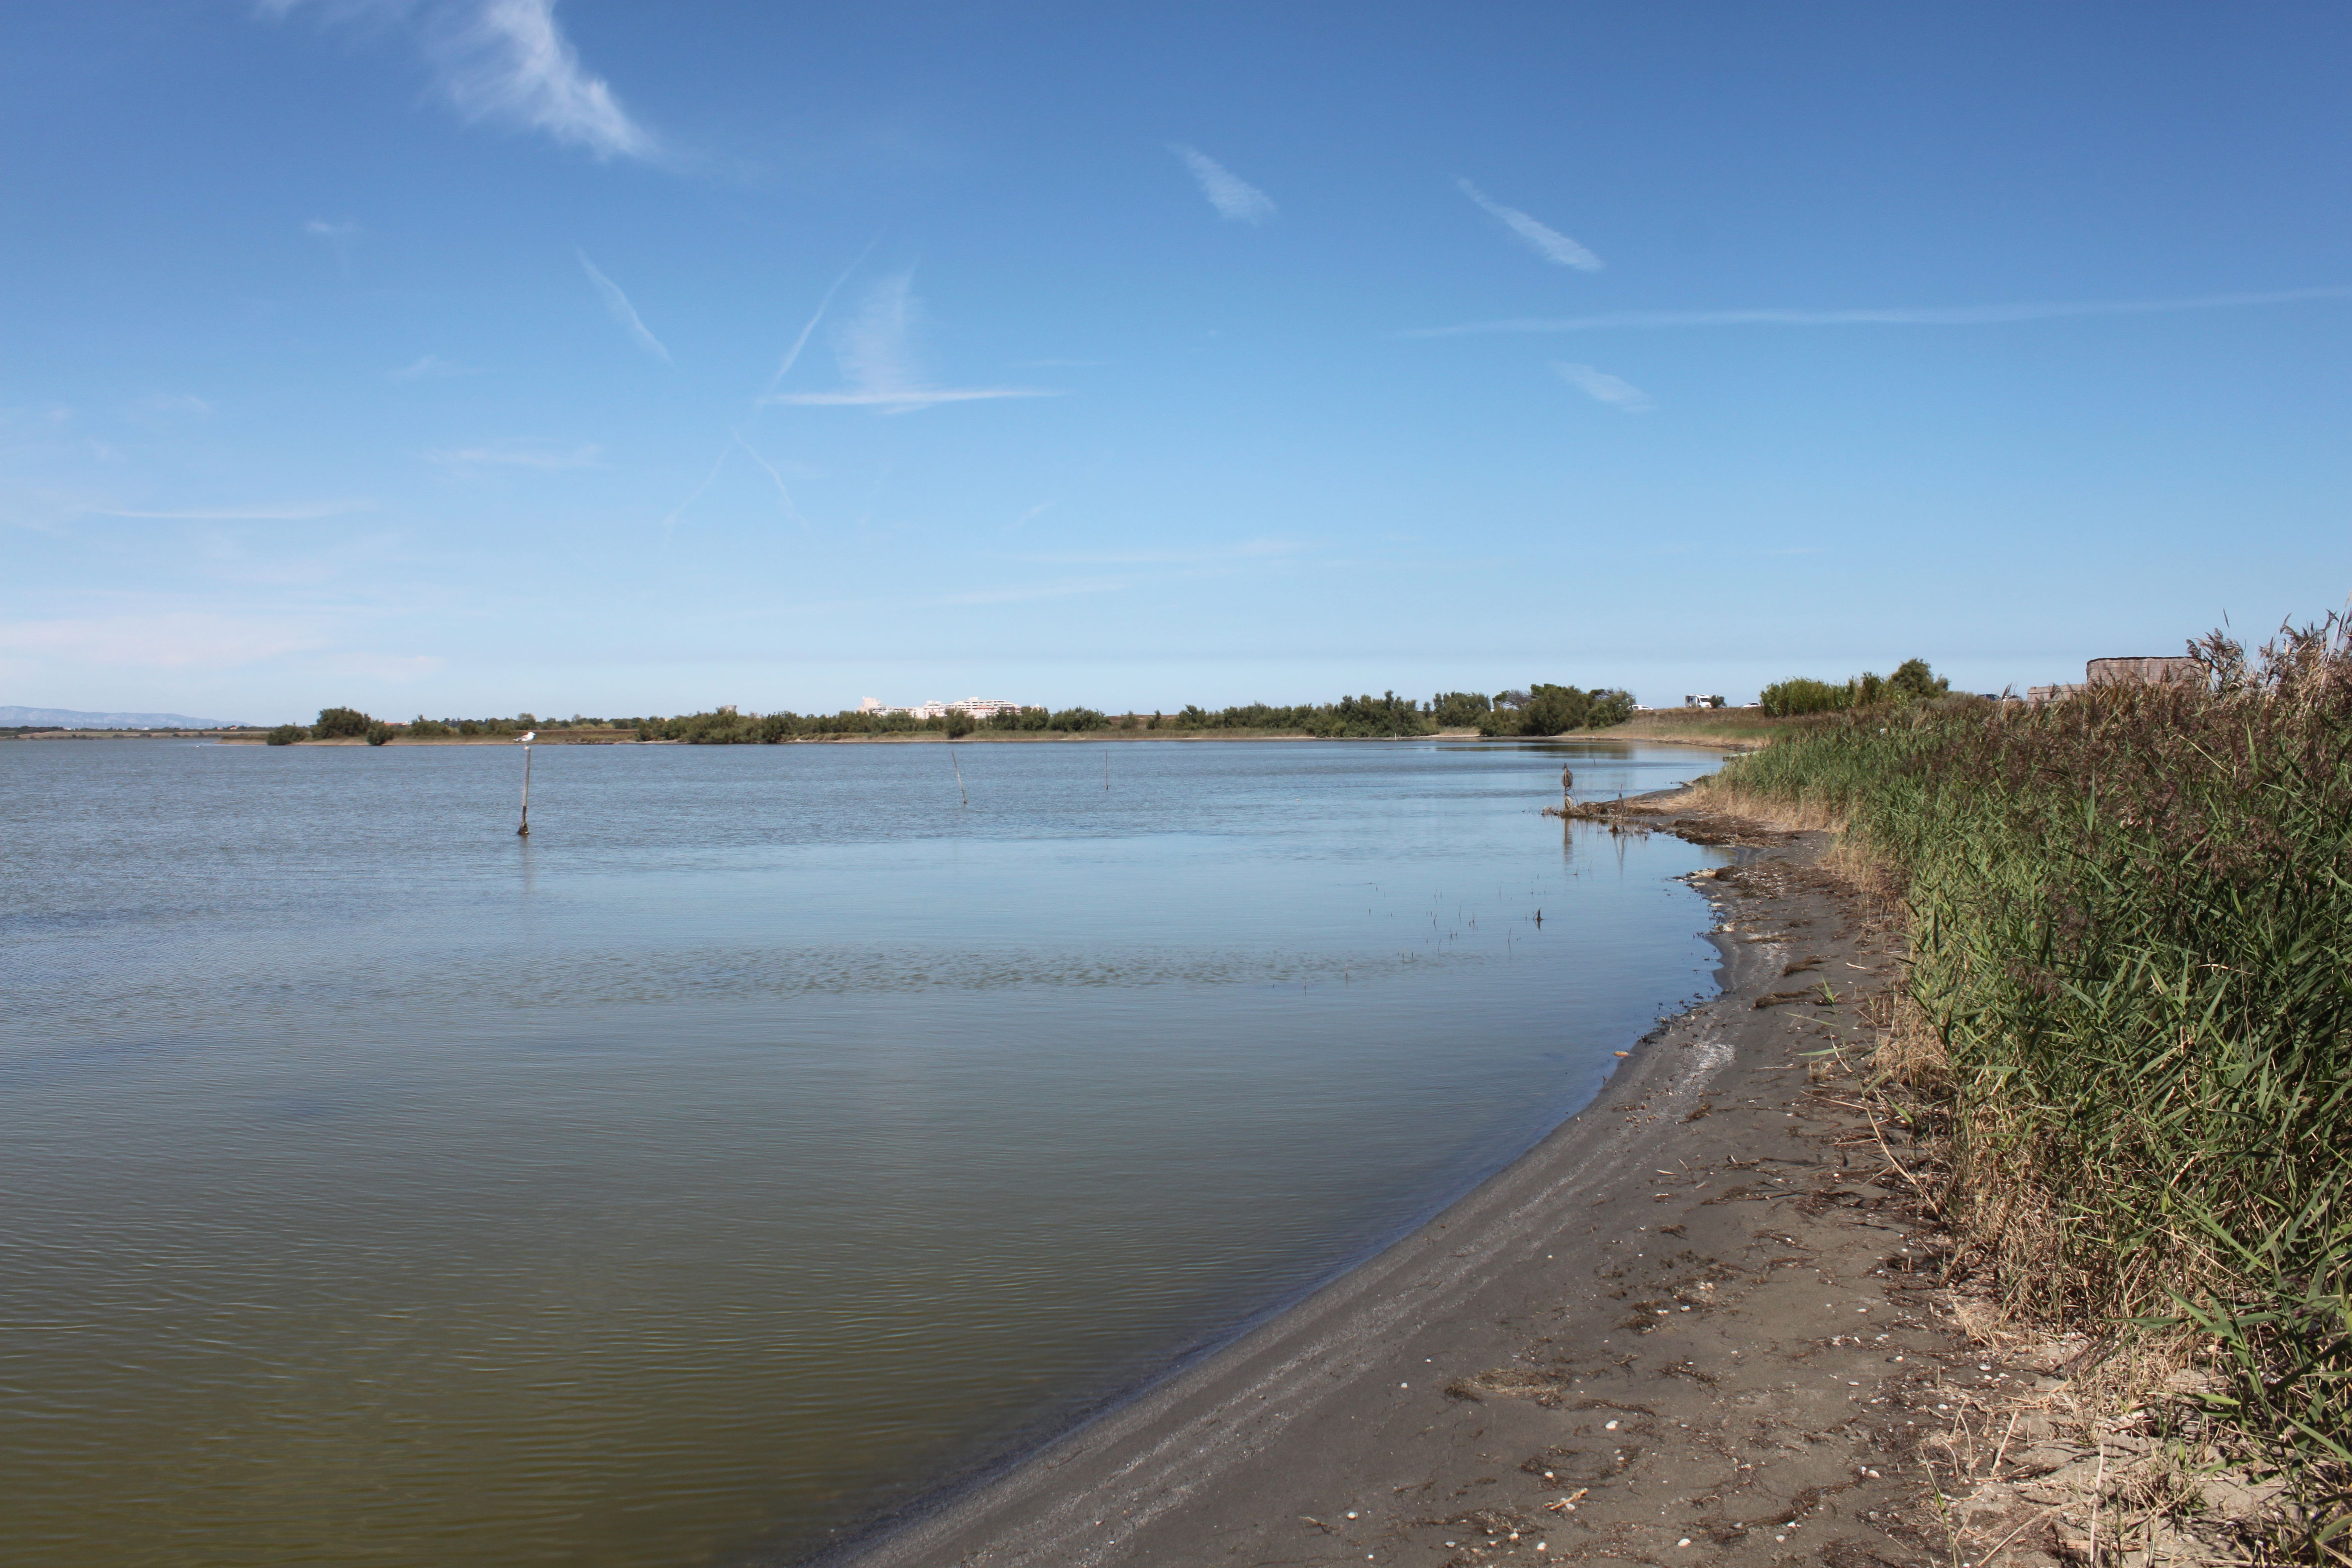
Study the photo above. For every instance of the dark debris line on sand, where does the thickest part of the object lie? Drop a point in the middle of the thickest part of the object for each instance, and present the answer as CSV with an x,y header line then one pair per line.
x,y
1698,1324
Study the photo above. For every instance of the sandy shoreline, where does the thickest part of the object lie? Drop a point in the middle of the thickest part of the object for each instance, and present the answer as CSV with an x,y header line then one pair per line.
x,y
1674,1331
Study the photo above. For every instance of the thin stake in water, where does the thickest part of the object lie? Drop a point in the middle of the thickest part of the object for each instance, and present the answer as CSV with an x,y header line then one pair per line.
x,y
524,740
959,773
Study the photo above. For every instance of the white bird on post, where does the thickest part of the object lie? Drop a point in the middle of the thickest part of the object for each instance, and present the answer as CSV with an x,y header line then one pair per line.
x,y
524,741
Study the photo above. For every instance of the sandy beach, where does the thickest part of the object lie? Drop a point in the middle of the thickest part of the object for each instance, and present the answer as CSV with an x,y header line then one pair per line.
x,y
1681,1330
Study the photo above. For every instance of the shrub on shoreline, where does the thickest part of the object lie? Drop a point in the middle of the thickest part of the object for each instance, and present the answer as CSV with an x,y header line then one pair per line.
x,y
1554,710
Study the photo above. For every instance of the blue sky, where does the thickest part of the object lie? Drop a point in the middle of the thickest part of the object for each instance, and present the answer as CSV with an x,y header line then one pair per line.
x,y
481,355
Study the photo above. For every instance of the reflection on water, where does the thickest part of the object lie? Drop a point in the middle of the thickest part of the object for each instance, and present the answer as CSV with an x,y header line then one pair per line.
x,y
768,1139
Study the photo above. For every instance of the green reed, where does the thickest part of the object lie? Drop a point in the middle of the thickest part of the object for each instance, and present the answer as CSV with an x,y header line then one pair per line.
x,y
2132,932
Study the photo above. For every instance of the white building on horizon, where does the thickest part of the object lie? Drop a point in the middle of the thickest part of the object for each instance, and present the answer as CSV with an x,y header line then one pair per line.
x,y
980,708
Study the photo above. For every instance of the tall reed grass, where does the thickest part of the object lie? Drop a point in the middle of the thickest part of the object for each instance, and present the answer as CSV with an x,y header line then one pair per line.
x,y
2131,918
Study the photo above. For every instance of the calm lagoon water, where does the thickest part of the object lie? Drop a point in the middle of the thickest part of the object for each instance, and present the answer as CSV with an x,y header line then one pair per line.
x,y
769,1141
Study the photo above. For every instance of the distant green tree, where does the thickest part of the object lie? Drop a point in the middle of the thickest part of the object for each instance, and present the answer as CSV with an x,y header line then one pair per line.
x,y
1554,708
1797,694
287,734
1548,710
1914,682
335,723
1076,719
378,732
1459,710
1387,714
958,723
426,728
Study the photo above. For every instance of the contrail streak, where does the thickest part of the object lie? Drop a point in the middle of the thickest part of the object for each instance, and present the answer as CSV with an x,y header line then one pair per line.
x,y
1899,316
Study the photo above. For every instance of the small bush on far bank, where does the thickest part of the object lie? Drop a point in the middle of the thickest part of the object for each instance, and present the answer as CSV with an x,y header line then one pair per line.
x,y
1544,710
1913,681
1459,710
287,734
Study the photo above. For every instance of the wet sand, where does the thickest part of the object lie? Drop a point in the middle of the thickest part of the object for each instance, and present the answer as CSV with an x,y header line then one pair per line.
x,y
1681,1330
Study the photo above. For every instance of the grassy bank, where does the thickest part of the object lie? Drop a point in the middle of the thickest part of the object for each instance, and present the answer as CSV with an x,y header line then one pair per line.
x,y
2131,918
1709,726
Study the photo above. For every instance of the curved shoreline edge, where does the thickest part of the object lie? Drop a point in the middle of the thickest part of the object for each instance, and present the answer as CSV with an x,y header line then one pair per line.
x,y
1459,1380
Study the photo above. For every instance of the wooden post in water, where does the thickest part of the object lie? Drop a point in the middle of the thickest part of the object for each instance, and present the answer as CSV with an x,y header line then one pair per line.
x,y
959,768
528,736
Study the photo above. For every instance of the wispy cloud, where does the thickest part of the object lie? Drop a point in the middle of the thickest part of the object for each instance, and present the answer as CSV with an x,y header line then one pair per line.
x,y
904,398
876,350
735,438
339,236
1265,549
1603,387
160,403
783,491
1233,196
161,638
289,512
1021,594
1010,594
1546,241
617,306
808,330
507,60
518,455
430,367
1906,316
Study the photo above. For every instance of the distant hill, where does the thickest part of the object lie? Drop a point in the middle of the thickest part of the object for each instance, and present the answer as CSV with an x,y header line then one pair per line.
x,y
67,719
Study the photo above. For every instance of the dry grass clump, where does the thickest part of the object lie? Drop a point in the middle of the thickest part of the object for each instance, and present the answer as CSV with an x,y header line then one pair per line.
x,y
2130,1012
1789,813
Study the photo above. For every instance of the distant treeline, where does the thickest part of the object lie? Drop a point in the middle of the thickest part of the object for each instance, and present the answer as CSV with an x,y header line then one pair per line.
x,y
1912,681
349,723
1540,709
